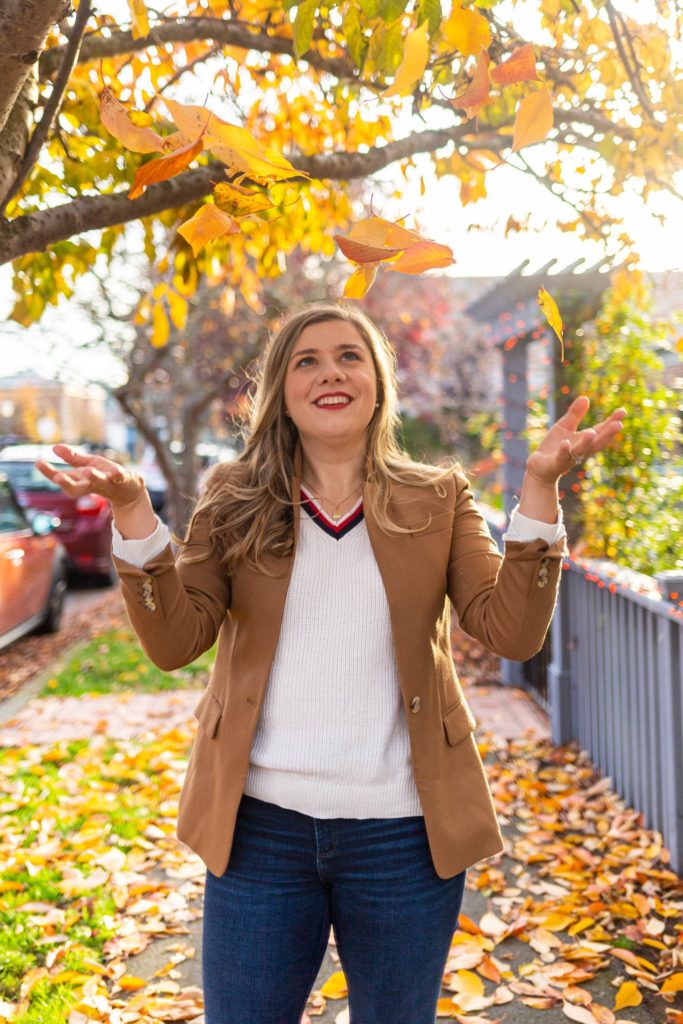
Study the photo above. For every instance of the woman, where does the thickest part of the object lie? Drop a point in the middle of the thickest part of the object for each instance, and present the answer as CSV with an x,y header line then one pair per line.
x,y
334,778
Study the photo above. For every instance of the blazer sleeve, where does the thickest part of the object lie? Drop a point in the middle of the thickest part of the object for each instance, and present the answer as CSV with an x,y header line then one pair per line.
x,y
176,605
506,602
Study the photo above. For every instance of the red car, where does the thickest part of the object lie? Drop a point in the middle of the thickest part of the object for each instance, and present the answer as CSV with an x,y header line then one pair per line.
x,y
85,527
32,570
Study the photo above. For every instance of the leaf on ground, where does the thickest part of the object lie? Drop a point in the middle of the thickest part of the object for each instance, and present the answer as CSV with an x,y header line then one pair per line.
x,y
335,986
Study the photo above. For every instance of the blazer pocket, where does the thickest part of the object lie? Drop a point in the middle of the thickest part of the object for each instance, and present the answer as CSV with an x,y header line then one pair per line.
x,y
208,713
458,722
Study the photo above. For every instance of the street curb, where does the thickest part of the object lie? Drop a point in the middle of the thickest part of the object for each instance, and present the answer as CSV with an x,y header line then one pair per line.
x,y
10,706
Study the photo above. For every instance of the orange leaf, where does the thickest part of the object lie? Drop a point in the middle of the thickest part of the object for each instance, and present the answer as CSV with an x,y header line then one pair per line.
x,y
519,67
628,995
208,223
164,167
534,119
424,255
116,120
466,924
674,983
477,93
446,1007
359,252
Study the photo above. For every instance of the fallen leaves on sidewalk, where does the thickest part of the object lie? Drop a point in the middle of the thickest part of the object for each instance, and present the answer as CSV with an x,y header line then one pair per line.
x,y
92,873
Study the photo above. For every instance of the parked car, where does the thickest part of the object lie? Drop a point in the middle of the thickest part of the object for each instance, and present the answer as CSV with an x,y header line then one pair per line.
x,y
32,569
85,523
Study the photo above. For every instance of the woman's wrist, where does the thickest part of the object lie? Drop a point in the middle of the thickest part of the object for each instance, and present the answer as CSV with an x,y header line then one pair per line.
x,y
539,500
135,520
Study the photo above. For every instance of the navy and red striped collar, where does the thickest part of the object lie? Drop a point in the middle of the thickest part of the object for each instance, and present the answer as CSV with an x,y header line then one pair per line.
x,y
338,528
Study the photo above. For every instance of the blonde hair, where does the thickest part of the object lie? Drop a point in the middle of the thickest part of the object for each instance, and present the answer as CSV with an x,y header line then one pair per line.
x,y
248,501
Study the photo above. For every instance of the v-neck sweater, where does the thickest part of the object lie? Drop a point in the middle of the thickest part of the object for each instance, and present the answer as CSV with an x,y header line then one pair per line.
x,y
332,738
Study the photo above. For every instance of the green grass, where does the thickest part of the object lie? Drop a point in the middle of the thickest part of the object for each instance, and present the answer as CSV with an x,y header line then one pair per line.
x,y
114,662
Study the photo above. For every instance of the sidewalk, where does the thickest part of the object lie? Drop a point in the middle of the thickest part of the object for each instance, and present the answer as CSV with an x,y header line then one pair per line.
x,y
553,923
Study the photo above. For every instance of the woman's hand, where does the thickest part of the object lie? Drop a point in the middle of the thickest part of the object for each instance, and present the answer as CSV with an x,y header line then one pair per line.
x,y
93,474
565,445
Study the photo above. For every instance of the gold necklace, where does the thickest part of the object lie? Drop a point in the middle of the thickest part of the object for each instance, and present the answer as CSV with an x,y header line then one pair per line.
x,y
337,512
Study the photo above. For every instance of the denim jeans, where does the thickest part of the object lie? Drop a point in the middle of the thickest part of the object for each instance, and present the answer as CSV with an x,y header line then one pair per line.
x,y
290,876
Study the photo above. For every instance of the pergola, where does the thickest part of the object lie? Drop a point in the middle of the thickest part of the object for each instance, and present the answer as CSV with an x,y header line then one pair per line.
x,y
511,319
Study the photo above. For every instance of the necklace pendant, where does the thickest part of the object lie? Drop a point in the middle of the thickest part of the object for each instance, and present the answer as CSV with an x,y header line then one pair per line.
x,y
336,514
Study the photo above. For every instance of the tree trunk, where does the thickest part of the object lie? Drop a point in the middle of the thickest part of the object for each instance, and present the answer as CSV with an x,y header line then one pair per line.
x,y
15,134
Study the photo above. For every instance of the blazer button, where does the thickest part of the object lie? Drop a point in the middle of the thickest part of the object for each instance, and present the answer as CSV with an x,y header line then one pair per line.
x,y
415,704
543,582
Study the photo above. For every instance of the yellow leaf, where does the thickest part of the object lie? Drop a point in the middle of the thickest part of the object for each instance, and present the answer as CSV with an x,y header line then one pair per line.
x,y
240,202
335,987
415,59
556,922
679,345
534,119
207,224
674,983
446,1008
131,982
140,21
361,281
178,308
233,145
160,326
467,983
628,995
118,123
467,31
550,311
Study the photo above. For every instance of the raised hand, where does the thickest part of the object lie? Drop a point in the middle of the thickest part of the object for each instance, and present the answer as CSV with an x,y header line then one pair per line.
x,y
93,474
565,445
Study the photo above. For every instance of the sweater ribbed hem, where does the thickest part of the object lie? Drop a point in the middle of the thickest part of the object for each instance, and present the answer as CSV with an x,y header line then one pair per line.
x,y
396,798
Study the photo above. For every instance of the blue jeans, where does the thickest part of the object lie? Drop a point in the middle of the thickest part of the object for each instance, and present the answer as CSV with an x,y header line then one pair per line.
x,y
290,876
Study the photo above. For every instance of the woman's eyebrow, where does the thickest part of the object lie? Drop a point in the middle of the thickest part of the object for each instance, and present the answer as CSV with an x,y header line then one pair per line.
x,y
313,351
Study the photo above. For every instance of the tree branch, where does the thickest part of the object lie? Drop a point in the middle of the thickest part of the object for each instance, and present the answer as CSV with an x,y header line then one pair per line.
x,y
49,111
33,232
191,30
632,72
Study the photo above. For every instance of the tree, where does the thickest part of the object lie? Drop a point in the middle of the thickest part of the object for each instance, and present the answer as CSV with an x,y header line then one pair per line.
x,y
305,81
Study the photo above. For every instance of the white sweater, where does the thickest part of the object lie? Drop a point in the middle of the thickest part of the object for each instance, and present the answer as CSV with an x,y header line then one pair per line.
x,y
332,739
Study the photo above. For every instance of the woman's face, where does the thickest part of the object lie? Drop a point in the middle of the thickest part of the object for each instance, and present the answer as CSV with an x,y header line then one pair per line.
x,y
331,384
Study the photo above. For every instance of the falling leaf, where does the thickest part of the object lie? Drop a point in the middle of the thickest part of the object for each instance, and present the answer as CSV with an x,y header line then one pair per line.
x,y
361,280
374,240
519,67
117,121
415,60
164,167
467,31
534,119
139,18
207,224
550,311
477,93
160,327
233,145
239,201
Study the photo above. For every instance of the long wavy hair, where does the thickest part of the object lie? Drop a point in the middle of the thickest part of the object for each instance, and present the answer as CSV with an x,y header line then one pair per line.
x,y
248,501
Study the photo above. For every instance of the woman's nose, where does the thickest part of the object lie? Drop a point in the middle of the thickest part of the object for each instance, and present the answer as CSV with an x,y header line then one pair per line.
x,y
331,371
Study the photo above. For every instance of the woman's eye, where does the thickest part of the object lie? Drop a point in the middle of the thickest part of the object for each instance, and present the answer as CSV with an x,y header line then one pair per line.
x,y
353,355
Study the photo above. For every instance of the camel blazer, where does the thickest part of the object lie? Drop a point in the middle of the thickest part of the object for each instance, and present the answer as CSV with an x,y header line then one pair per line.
x,y
178,609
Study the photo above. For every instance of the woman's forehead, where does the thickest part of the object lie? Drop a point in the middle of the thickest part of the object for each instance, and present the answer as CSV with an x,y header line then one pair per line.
x,y
328,333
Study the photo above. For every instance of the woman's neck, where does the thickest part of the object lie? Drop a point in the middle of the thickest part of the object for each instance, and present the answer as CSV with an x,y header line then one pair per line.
x,y
334,475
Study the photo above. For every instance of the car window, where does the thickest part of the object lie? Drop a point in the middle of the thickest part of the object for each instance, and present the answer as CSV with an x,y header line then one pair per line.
x,y
25,477
11,516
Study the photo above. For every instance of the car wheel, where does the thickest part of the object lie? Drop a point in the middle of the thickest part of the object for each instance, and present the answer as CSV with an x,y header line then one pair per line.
x,y
55,604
